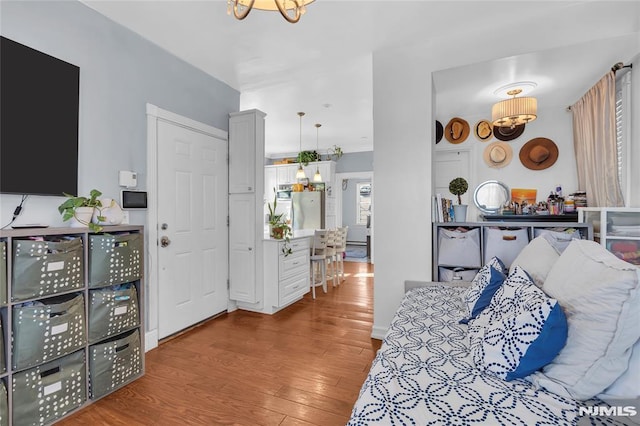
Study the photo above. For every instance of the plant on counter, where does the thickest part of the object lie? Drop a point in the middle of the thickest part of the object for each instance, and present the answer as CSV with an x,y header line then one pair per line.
x,y
458,186
279,229
81,210
305,157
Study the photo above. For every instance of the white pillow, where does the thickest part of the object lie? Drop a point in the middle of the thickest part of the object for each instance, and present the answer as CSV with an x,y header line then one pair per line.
x,y
626,386
537,258
600,295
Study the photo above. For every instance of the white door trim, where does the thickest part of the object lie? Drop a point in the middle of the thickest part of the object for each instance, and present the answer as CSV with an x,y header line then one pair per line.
x,y
154,114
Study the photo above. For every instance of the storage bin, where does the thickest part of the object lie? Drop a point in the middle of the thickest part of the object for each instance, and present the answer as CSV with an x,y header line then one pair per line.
x,y
114,258
3,273
47,329
459,248
504,243
47,392
114,363
42,268
3,359
112,310
558,238
456,274
4,404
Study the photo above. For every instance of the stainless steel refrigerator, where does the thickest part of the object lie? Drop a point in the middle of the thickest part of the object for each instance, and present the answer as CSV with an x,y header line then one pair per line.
x,y
308,210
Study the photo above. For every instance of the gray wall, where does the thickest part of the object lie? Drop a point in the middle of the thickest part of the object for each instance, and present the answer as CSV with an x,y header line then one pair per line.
x,y
119,73
355,162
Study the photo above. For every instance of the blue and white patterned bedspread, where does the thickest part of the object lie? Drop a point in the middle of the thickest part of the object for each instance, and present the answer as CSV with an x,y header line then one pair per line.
x,y
424,375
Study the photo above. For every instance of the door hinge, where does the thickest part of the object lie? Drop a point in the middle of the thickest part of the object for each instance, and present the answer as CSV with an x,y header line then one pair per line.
x,y
227,220
228,284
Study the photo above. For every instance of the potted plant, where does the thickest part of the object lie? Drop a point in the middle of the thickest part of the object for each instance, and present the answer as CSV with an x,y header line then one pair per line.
x,y
459,186
279,229
335,153
305,157
80,210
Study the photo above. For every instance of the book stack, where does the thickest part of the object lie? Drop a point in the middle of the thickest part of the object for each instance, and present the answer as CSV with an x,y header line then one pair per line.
x,y
442,209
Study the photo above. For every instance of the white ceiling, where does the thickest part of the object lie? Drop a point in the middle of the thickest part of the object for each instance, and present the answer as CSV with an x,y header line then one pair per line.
x,y
323,64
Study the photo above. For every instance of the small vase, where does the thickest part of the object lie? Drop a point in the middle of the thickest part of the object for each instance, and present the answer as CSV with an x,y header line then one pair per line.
x,y
81,217
277,232
460,212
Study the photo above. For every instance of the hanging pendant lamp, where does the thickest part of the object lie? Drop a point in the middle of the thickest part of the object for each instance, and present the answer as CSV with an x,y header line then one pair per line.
x,y
317,177
300,173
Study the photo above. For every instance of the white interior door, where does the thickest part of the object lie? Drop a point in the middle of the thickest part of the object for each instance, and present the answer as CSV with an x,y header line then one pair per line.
x,y
448,166
192,220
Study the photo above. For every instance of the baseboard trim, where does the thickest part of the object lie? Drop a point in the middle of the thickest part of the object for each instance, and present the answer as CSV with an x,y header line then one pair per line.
x,y
378,333
150,340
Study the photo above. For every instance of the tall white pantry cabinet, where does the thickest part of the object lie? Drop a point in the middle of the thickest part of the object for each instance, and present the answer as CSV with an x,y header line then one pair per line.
x,y
71,305
246,204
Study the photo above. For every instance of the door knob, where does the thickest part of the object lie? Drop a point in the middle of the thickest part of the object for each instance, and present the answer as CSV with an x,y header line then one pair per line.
x,y
164,241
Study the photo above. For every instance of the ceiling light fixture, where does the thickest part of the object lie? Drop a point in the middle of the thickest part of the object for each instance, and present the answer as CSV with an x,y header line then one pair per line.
x,y
291,10
300,173
514,111
317,177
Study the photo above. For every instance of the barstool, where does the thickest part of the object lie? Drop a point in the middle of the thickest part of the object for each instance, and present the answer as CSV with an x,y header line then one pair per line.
x,y
330,254
341,248
318,258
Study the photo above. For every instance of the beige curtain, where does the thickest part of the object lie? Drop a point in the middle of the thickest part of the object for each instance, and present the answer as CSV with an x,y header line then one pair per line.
x,y
594,142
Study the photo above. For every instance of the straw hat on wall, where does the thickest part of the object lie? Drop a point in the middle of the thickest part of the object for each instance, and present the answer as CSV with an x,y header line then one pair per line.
x,y
498,154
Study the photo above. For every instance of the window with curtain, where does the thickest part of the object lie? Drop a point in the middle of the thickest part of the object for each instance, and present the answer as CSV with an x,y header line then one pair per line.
x,y
623,122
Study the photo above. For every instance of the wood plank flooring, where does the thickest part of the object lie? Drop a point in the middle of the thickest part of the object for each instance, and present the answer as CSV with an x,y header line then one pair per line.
x,y
302,366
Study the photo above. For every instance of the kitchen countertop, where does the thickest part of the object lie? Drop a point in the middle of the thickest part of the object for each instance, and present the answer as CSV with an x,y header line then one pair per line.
x,y
300,233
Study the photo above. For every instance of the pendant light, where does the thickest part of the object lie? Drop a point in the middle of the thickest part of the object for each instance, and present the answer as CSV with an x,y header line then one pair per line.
x,y
300,173
317,177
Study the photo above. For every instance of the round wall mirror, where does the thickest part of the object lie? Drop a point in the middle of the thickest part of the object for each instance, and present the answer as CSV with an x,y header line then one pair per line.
x,y
490,196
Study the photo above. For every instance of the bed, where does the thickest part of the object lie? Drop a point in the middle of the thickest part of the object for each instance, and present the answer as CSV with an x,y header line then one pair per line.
x,y
425,373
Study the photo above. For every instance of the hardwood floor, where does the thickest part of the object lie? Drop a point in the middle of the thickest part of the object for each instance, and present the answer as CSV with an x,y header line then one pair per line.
x,y
302,366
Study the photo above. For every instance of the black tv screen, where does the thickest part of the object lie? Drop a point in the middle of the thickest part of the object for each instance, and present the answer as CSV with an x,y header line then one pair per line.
x,y
38,122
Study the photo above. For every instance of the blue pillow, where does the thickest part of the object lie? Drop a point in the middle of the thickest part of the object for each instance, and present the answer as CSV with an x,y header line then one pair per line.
x,y
521,340
483,287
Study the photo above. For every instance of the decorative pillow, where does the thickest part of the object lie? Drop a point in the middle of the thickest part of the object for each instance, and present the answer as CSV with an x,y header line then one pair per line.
x,y
524,338
626,386
512,296
601,295
483,286
537,258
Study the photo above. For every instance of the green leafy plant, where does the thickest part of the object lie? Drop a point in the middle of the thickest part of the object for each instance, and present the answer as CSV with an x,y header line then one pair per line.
x,y
335,153
279,229
72,203
305,157
458,186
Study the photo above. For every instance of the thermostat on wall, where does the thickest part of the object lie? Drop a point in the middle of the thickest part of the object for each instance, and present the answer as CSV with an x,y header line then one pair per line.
x,y
133,199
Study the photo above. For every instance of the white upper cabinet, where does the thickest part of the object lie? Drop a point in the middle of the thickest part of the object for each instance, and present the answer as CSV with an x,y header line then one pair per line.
x,y
246,144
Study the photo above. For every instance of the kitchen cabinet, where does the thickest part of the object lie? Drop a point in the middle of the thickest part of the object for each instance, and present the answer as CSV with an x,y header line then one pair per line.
x,y
246,204
616,228
246,150
285,279
460,249
286,173
270,183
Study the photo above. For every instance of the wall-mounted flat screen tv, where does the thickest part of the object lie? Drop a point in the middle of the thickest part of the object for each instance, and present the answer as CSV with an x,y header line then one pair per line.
x,y
38,122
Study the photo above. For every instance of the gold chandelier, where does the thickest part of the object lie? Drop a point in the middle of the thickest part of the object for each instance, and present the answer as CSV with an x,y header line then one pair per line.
x,y
291,10
515,111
